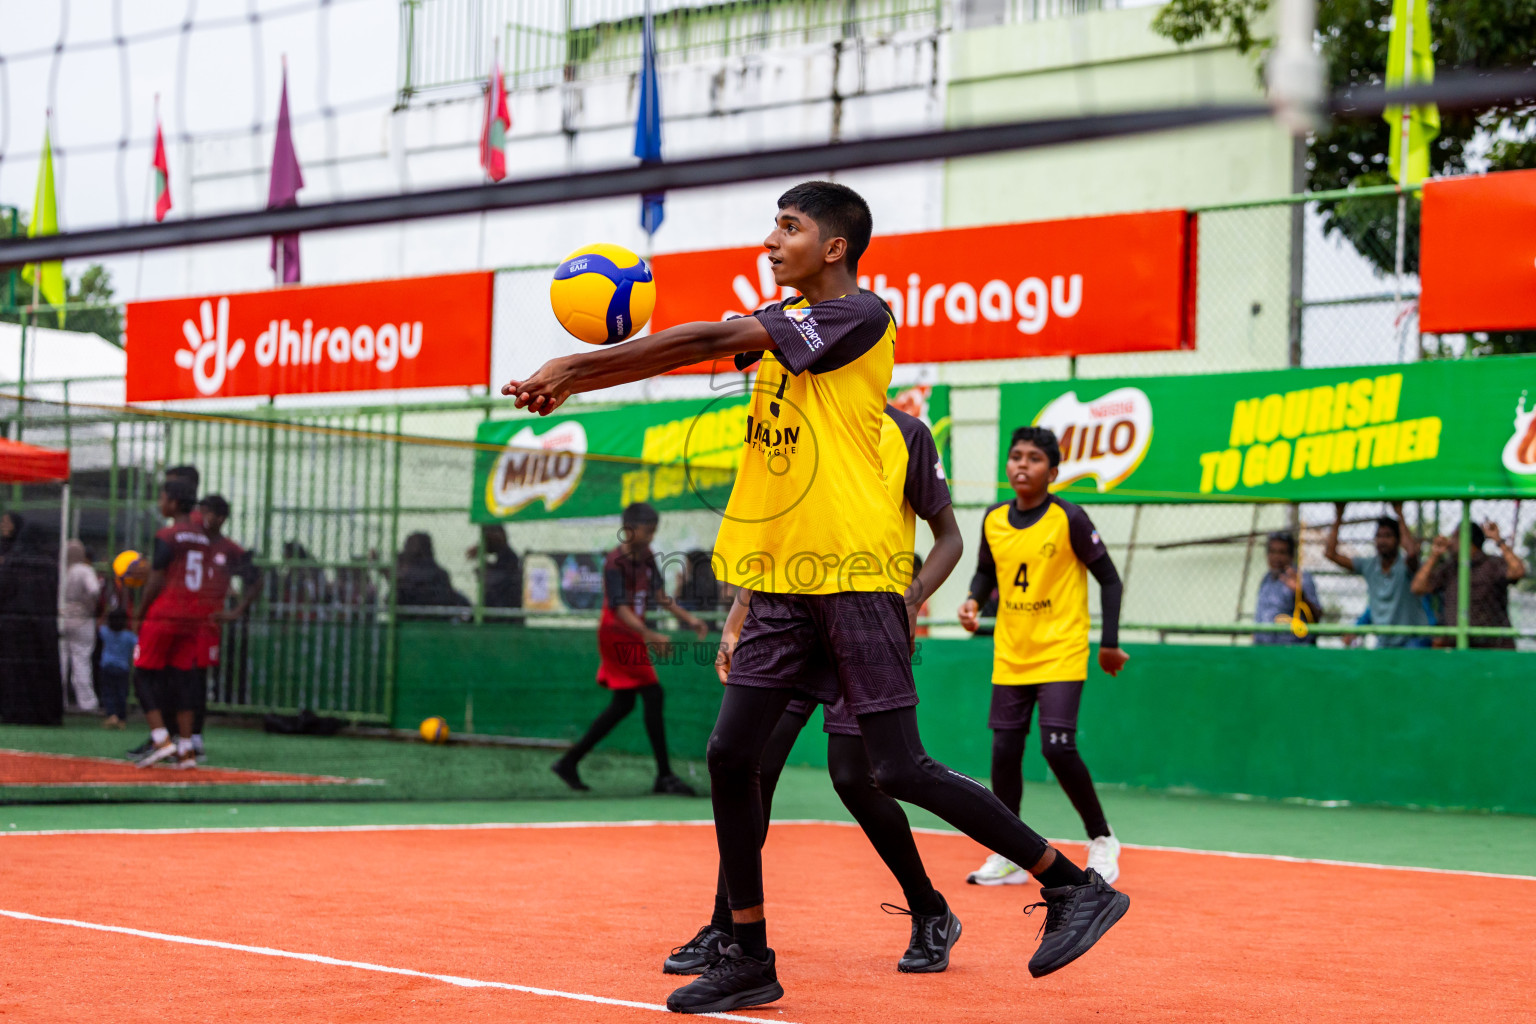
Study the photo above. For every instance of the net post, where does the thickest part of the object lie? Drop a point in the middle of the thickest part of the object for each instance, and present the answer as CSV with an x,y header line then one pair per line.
x,y
1463,574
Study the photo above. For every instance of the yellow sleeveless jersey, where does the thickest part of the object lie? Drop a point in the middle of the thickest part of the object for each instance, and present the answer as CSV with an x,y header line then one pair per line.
x,y
1040,560
810,512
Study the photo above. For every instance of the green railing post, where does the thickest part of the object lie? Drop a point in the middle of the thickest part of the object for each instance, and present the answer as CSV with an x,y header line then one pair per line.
x,y
392,644
1464,575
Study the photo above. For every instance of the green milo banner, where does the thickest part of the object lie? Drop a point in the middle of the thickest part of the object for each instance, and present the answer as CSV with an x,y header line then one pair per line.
x,y
674,455
1443,429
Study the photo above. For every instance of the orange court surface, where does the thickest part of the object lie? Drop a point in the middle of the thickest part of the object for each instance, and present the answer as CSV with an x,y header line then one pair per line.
x,y
570,923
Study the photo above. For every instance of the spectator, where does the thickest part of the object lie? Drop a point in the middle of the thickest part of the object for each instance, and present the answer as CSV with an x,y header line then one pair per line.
x,y
503,570
419,580
1277,600
1489,580
302,584
82,590
1388,576
31,692
117,643
697,588
10,527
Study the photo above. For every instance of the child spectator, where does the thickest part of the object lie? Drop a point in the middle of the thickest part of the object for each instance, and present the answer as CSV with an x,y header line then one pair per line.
x,y
117,643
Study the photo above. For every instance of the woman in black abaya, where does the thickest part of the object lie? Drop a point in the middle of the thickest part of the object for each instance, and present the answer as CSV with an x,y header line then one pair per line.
x,y
31,690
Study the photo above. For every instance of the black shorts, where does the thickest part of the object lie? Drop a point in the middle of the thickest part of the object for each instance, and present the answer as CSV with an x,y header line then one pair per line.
x,y
853,645
169,690
1013,706
835,718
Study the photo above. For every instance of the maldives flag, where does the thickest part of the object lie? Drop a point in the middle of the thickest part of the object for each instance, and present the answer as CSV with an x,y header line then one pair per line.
x,y
162,176
494,126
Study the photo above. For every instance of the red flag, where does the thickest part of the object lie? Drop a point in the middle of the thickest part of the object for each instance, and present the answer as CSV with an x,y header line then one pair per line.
x,y
494,127
162,176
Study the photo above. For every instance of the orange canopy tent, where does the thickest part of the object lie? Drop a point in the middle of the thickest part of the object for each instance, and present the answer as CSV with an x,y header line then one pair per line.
x,y
31,464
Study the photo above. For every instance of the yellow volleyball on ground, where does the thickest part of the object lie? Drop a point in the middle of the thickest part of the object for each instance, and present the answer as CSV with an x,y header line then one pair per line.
x,y
602,293
434,730
130,569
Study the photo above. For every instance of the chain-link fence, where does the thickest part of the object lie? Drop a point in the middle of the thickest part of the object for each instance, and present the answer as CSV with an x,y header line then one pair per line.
x,y
338,504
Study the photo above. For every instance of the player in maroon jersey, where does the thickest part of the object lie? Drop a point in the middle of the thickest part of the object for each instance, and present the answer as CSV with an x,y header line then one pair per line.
x,y
227,561
170,623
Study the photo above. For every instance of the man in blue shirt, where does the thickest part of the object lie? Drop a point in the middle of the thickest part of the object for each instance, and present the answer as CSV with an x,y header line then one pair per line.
x,y
1277,592
1388,575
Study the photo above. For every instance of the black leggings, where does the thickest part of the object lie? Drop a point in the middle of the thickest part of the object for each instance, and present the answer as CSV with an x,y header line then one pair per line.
x,y
900,767
622,704
881,818
1059,745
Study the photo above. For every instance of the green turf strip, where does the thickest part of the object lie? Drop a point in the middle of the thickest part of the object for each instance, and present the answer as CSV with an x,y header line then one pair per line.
x,y
463,784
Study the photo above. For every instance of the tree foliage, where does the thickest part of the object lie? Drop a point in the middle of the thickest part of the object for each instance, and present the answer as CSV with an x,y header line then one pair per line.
x,y
1469,36
94,286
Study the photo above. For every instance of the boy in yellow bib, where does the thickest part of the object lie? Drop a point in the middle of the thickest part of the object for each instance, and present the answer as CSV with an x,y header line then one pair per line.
x,y
1036,553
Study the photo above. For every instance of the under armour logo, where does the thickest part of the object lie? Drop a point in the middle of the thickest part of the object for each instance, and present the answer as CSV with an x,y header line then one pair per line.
x,y
1060,737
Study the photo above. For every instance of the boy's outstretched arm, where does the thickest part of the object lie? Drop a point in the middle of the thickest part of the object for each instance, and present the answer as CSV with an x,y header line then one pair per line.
x,y
559,379
941,561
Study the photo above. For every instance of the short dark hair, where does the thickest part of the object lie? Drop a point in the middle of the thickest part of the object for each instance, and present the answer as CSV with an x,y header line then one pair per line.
x,y
215,503
180,491
1043,438
639,514
187,473
117,620
1387,523
839,212
1478,537
1285,537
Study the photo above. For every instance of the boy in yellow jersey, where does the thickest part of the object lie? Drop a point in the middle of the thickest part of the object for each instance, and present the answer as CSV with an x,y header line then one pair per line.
x,y
914,475
1036,553
812,531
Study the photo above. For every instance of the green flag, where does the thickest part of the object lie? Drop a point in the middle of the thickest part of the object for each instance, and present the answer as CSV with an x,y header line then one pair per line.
x,y
1410,30
47,278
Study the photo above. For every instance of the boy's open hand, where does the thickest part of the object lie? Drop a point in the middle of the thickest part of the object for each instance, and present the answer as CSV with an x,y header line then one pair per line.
x,y
1112,660
969,614
545,391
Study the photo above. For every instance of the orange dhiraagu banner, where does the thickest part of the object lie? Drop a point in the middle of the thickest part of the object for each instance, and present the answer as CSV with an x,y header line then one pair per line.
x,y
1477,253
412,333
1120,283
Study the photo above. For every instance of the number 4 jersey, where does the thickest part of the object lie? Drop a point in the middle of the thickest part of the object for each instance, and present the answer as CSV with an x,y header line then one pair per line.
x,y
1038,560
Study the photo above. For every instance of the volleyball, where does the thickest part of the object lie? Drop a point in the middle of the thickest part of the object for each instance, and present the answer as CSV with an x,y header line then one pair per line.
x,y
602,293
129,568
434,730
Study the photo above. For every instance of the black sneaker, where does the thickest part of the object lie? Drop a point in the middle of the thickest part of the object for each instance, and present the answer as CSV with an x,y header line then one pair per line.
x,y
672,785
731,982
142,748
932,939
1076,916
567,773
693,956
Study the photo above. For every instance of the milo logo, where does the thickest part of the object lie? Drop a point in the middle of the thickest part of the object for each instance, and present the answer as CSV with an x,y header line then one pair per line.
x,y
1105,439
535,466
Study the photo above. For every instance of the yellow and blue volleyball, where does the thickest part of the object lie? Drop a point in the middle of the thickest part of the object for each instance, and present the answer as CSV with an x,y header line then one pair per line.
x,y
129,568
434,730
602,293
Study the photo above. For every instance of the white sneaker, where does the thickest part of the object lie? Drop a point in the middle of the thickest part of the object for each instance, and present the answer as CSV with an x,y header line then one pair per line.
x,y
157,754
998,870
1104,856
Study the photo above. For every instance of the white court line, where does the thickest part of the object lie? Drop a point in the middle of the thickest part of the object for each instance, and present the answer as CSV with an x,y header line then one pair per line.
x,y
698,822
316,958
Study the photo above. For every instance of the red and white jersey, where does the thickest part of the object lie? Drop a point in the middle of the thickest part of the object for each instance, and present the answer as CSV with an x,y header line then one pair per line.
x,y
225,562
181,552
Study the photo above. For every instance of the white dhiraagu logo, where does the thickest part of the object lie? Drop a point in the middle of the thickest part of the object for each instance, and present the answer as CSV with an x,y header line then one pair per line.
x,y
1520,449
1106,438
534,466
1029,304
209,355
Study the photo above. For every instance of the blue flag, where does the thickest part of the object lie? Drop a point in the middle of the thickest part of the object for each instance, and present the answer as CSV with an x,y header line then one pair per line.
x,y
648,126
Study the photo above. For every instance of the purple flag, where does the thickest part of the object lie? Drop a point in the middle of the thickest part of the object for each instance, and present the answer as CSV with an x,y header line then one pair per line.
x,y
287,179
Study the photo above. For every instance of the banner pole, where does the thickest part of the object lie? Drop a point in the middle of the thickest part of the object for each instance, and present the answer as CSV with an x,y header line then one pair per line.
x,y
1464,574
